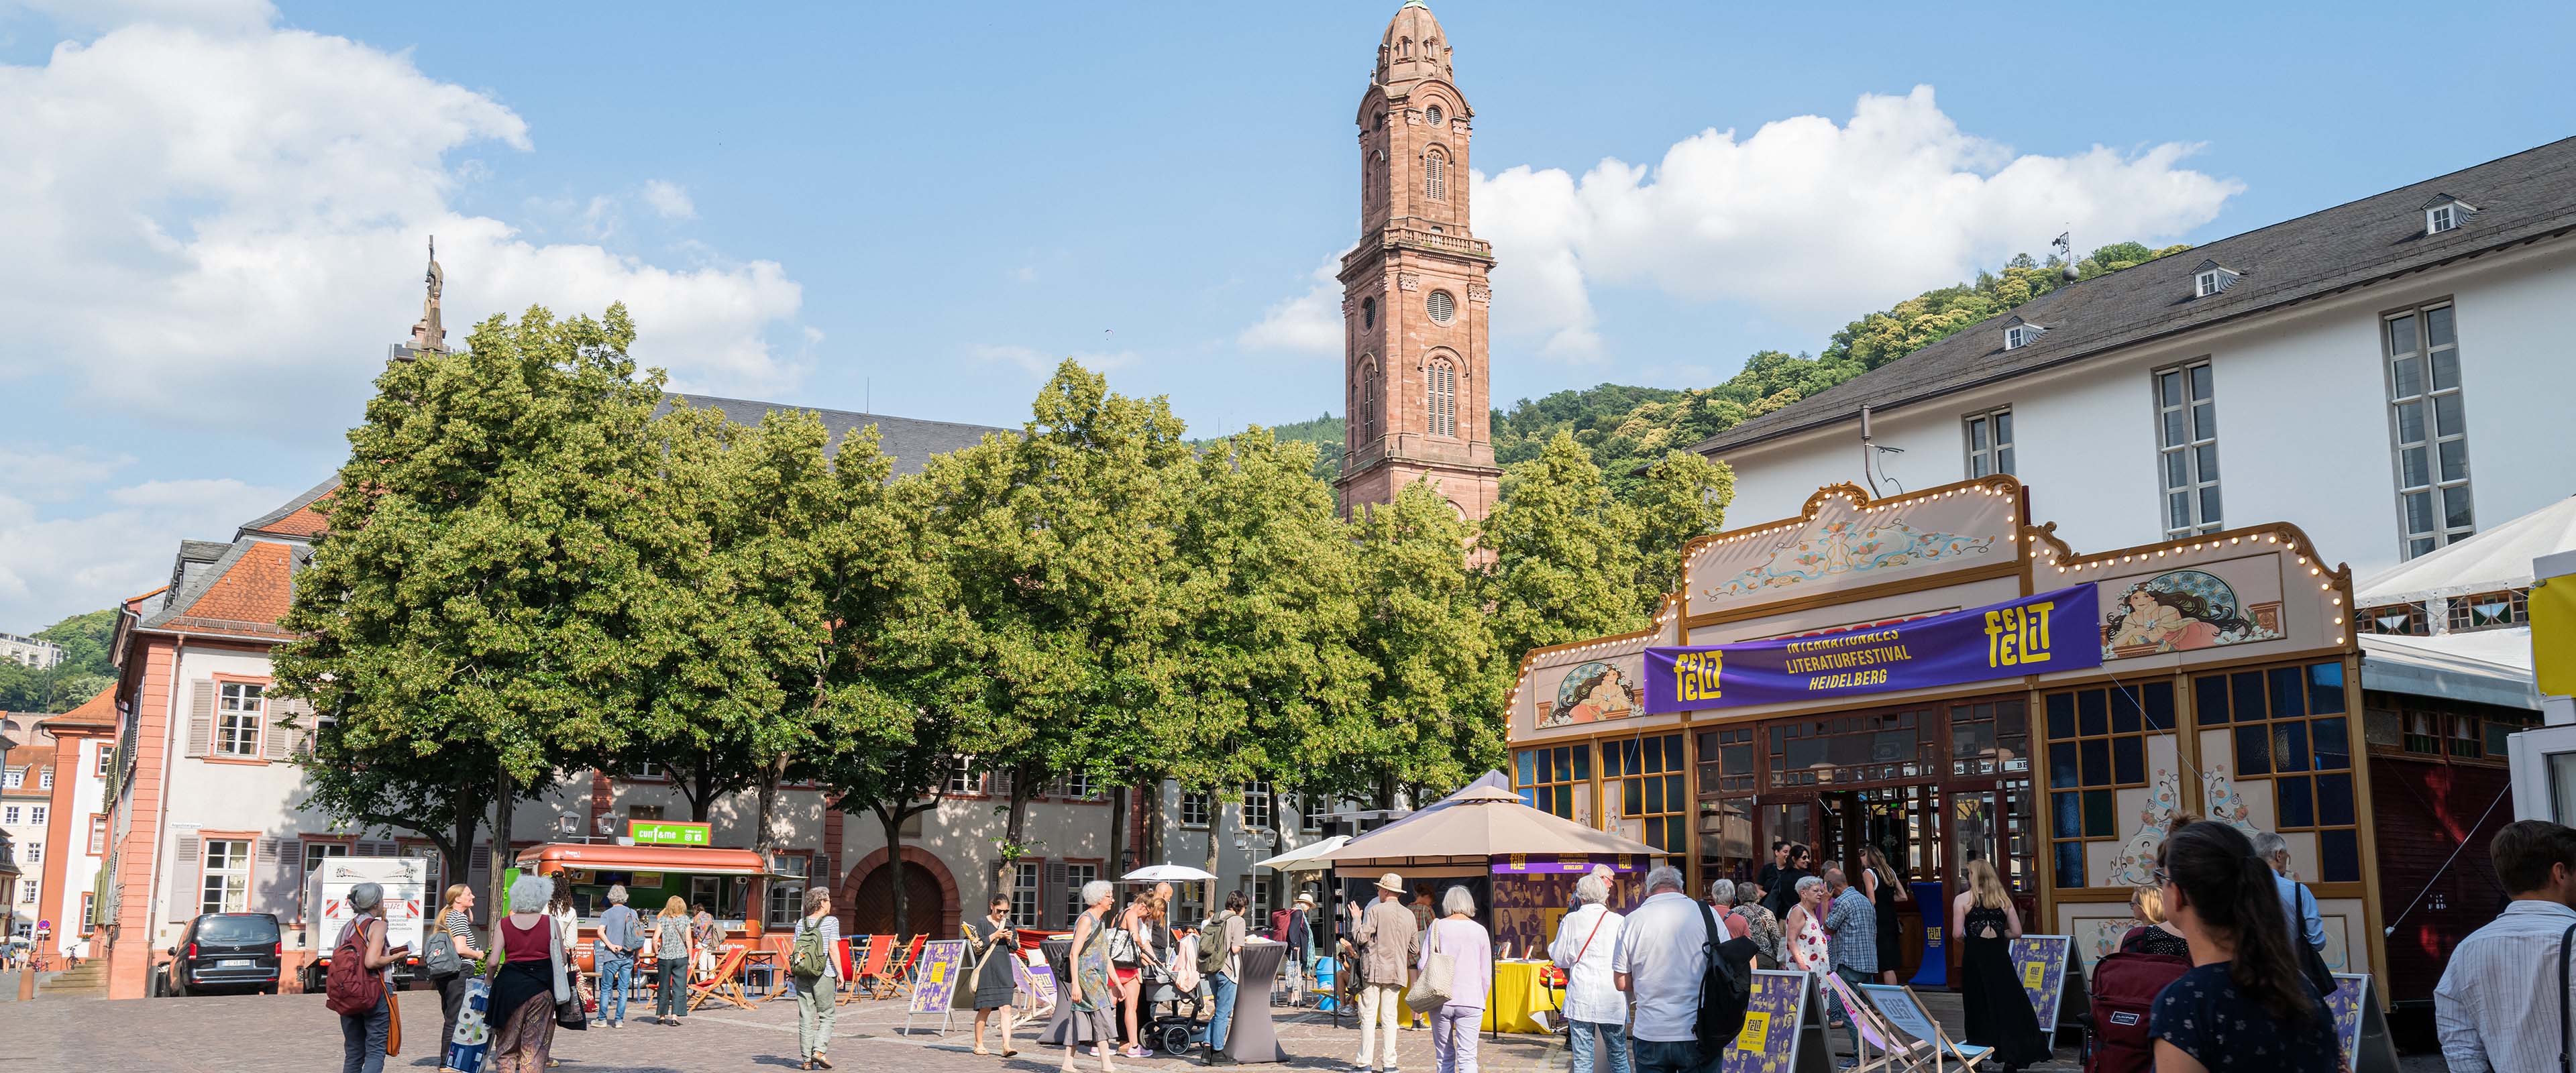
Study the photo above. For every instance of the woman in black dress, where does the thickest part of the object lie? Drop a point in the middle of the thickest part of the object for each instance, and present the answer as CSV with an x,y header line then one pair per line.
x,y
992,943
1886,888
1999,1011
1779,898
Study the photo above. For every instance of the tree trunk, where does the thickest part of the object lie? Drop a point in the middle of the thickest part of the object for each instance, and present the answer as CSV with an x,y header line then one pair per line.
x,y
893,818
1117,831
700,791
502,795
460,851
1013,830
1151,852
1216,843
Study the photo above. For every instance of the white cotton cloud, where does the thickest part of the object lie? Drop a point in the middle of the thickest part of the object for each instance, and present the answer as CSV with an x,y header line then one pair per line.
x,y
669,200
62,563
228,224
1810,221
224,15
1310,323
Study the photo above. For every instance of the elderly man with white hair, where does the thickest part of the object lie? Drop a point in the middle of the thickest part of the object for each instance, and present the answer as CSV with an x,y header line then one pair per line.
x,y
1659,961
621,934
1593,1005
2296,903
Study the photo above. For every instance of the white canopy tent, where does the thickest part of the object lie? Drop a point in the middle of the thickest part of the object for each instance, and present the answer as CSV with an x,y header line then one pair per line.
x,y
2488,666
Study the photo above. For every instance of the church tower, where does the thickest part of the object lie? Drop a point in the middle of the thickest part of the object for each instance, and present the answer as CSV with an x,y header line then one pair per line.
x,y
1414,299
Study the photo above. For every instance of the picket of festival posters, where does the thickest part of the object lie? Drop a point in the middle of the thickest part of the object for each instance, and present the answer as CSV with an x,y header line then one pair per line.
x,y
2040,962
2360,1030
1780,1005
934,981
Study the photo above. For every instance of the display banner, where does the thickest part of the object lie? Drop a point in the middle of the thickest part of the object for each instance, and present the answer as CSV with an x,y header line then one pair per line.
x,y
1037,982
1536,864
2052,631
934,977
2040,962
2359,1028
1769,1041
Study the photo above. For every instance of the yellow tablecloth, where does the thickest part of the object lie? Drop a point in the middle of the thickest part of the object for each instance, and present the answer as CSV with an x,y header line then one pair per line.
x,y
1518,997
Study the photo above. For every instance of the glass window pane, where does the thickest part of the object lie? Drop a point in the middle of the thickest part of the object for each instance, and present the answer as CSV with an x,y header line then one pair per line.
x,y
2177,470
2173,428
1582,762
2498,731
2098,820
2455,507
2334,800
2179,505
2342,853
2333,741
1528,761
2446,370
2419,512
1976,434
2245,690
2419,546
2414,469
2208,458
2325,688
2209,699
2290,747
2409,376
2204,421
2446,415
2003,427
2097,762
2070,864
2253,751
2066,812
2091,714
2401,334
2199,382
2004,460
2169,388
2209,512
2124,711
2293,796
2437,327
2410,422
2061,715
2129,760
2289,692
2455,460
2159,698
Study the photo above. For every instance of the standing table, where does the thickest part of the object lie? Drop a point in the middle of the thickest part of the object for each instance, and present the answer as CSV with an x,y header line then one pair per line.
x,y
1249,1036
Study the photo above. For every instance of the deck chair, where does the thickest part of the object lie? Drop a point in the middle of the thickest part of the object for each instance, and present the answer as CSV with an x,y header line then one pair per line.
x,y
902,975
1897,1005
1895,1048
726,985
874,978
852,953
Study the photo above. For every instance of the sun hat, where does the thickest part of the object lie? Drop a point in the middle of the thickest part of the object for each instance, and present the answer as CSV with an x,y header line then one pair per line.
x,y
1305,899
1392,882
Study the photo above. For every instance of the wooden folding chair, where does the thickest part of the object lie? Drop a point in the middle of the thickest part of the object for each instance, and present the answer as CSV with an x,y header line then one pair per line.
x,y
1898,1005
902,976
1896,1050
852,952
874,978
726,984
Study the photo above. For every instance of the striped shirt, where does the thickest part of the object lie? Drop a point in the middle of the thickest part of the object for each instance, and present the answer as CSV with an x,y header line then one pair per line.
x,y
460,927
2497,1005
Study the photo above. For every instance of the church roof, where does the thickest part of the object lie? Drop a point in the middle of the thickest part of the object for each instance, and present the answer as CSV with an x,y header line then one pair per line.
x,y
1414,47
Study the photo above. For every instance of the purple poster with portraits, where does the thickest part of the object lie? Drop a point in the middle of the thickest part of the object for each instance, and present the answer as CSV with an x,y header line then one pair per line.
x,y
2052,631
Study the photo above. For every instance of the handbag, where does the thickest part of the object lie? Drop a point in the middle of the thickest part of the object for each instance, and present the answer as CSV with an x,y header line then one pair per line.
x,y
568,1012
2311,963
1437,981
1122,947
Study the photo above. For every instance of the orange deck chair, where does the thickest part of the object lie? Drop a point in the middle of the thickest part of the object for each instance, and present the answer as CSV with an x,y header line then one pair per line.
x,y
872,975
726,984
901,977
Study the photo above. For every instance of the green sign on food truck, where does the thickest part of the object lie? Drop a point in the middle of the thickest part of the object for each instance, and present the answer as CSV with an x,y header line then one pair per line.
x,y
666,833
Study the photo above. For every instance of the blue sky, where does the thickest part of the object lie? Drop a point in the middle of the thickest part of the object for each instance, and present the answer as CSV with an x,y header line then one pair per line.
x,y
923,207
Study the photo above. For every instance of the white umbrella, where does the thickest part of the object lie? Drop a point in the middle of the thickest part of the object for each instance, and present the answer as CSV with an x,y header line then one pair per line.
x,y
1302,859
1156,873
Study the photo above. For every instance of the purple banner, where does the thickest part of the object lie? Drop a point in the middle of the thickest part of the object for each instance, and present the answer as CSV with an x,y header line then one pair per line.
x,y
1534,864
2005,640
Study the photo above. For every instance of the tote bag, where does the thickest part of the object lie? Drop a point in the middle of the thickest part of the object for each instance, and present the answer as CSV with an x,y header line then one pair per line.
x,y
1438,981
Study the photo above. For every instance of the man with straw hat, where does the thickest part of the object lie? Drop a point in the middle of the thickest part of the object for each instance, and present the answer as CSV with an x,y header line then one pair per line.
x,y
1390,944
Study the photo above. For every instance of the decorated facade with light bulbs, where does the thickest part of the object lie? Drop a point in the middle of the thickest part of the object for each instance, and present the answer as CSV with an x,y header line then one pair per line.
x,y
1934,675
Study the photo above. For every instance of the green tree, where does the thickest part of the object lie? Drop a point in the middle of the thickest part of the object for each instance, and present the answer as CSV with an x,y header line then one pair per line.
x,y
1680,497
1429,717
478,594
1564,555
83,671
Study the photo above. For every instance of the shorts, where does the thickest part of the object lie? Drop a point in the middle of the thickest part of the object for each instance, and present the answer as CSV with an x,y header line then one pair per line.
x,y
1124,976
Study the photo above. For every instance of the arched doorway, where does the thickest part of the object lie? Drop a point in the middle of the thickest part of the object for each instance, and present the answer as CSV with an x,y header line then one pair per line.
x,y
930,895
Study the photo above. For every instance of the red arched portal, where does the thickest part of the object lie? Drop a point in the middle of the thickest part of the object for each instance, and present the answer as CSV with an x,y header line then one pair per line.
x,y
930,895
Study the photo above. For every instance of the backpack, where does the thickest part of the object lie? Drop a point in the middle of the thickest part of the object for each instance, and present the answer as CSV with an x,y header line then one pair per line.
x,y
807,960
351,987
438,956
2125,985
1279,924
1724,989
1212,943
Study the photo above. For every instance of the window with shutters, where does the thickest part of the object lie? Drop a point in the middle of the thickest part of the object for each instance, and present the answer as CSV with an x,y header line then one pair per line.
x,y
1435,175
97,834
1025,876
787,890
224,884
1257,806
105,756
1076,876
238,707
1444,399
16,778
1196,809
36,814
35,853
317,852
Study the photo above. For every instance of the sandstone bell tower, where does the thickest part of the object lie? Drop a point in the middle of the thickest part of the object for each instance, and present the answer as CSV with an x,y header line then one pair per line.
x,y
1414,298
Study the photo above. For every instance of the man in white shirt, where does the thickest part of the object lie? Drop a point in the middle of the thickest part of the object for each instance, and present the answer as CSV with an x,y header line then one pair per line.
x,y
1661,957
1593,1004
2497,1005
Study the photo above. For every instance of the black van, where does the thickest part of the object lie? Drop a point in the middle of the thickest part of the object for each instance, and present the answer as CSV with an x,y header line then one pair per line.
x,y
225,953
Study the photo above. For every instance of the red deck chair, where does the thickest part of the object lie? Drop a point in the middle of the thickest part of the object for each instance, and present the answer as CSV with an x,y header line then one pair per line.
x,y
874,978
901,977
726,984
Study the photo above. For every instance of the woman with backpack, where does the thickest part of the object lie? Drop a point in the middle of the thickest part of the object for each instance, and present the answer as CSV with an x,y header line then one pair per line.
x,y
1221,963
2246,1001
1999,1011
670,946
818,986
358,962
530,980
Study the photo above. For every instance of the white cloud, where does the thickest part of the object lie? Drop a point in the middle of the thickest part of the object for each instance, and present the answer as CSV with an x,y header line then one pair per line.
x,y
669,199
1811,221
226,223
227,15
1042,363
1310,323
51,566
46,474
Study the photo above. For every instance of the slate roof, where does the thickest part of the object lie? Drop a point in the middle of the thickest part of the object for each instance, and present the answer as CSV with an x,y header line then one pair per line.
x,y
910,440
2527,197
297,518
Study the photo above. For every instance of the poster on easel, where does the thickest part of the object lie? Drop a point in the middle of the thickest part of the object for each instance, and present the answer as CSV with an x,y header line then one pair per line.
x,y
1780,1005
934,981
2040,963
2360,1029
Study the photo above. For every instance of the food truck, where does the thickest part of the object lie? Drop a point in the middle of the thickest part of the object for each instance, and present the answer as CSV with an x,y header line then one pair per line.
x,y
1931,674
655,862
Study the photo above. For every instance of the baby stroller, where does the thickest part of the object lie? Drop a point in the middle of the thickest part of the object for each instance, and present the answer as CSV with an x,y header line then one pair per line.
x,y
1171,1031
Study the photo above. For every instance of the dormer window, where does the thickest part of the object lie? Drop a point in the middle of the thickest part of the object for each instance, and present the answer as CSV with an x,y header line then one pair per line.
x,y
2211,278
2442,212
2021,335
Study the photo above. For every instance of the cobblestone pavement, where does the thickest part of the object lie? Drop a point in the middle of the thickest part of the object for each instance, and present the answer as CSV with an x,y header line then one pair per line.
x,y
229,1033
